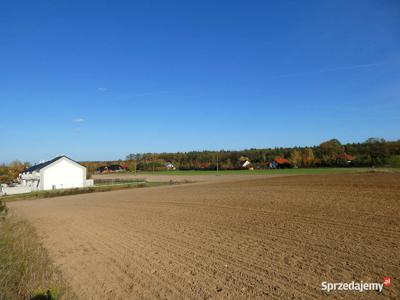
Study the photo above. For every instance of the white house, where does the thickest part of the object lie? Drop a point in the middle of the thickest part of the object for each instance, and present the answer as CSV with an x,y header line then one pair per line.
x,y
246,164
58,173
170,166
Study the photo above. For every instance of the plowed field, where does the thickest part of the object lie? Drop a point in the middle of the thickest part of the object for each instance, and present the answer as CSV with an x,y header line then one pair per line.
x,y
267,238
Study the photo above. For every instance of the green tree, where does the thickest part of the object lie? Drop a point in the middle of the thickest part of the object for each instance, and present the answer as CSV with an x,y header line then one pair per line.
x,y
16,167
394,161
296,157
330,150
377,151
308,157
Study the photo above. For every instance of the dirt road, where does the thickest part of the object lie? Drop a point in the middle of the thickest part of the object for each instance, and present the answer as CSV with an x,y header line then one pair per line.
x,y
275,238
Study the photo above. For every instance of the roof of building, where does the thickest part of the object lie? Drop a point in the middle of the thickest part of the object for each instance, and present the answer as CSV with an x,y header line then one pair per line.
x,y
281,160
40,166
345,156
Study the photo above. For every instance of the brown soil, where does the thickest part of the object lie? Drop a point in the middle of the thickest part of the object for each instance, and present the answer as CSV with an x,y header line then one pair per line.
x,y
185,178
275,238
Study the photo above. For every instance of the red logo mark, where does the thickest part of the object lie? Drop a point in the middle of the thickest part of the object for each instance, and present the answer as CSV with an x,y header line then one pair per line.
x,y
387,281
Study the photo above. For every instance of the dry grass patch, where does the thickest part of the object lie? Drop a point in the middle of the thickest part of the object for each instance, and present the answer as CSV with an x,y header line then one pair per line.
x,y
25,268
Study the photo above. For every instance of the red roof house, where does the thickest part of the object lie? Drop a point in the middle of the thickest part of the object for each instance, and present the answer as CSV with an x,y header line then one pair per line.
x,y
280,162
346,157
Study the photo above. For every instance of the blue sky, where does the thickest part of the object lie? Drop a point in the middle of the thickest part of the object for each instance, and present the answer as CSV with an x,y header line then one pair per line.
x,y
97,80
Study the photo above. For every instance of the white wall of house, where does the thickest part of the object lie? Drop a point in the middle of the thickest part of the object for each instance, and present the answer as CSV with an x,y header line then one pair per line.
x,y
12,190
30,180
62,174
246,163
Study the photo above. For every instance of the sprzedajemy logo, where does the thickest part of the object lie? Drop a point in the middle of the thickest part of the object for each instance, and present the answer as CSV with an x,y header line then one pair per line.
x,y
387,281
360,286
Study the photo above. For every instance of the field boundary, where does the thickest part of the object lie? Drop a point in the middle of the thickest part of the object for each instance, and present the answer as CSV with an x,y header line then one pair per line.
x,y
26,270
85,190
294,171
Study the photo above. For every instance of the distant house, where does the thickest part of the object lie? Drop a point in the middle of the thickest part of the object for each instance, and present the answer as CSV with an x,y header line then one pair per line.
x,y
247,164
111,169
101,169
170,166
347,158
58,173
279,163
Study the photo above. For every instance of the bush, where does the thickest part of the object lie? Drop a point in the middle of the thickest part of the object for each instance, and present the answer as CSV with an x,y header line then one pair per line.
x,y
43,294
3,210
394,161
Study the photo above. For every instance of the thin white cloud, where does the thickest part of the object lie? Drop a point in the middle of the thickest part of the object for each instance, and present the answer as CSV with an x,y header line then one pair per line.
x,y
78,120
102,89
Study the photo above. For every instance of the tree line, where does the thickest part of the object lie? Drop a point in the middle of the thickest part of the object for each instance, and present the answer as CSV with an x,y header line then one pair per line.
x,y
332,153
373,152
